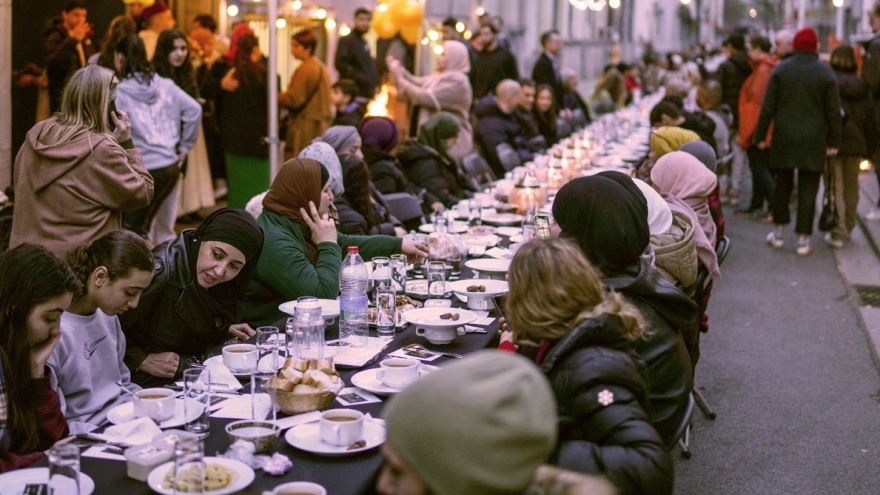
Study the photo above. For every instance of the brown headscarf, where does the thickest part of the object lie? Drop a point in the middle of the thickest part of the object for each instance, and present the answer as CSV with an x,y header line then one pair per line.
x,y
299,181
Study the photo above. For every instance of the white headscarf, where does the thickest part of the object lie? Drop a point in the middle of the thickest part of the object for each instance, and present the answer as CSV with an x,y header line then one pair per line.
x,y
659,214
457,58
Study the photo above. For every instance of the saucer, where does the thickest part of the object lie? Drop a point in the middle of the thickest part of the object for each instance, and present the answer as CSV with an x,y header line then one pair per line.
x,y
488,265
367,380
454,228
329,308
14,482
242,476
124,413
308,437
503,219
430,317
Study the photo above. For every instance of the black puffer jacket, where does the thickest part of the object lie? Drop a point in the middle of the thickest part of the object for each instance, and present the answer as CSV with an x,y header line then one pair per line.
x,y
859,136
669,352
602,398
732,73
388,176
353,222
427,169
494,127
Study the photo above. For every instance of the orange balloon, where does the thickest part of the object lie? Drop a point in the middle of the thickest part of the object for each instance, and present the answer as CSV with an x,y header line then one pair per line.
x,y
407,13
383,24
410,34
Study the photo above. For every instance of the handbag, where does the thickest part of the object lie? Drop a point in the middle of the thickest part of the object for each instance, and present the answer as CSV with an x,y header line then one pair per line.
x,y
829,218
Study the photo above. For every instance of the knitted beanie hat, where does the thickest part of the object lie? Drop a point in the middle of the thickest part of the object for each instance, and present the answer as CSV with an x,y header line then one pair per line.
x,y
806,40
480,426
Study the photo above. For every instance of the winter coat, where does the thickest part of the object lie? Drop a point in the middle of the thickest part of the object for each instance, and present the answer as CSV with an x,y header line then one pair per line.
x,y
353,223
871,73
859,133
388,176
602,399
353,61
243,120
425,168
676,252
546,72
310,79
732,73
751,98
72,193
803,103
494,127
492,68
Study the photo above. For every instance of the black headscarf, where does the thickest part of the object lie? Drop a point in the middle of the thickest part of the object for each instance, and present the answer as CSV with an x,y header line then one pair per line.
x,y
607,216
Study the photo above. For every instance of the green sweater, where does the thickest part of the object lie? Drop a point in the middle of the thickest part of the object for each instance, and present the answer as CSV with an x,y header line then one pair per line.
x,y
285,273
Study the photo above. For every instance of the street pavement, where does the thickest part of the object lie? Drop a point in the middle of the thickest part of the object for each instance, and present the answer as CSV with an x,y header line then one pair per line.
x,y
790,369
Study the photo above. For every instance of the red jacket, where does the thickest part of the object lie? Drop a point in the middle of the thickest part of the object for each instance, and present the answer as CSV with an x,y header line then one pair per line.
x,y
52,427
751,97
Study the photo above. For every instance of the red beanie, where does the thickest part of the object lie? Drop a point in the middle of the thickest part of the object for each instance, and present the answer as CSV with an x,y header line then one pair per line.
x,y
156,8
806,40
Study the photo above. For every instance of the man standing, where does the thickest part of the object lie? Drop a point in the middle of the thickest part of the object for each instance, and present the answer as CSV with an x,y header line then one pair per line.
x,y
783,44
871,74
67,48
494,63
547,70
156,18
731,74
353,59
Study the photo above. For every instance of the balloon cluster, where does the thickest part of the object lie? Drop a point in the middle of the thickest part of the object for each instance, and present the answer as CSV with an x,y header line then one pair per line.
x,y
403,16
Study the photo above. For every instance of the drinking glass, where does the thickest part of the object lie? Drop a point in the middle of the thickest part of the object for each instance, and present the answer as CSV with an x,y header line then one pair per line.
x,y
267,345
381,274
441,223
189,465
264,405
453,255
436,279
197,400
398,273
64,469
386,312
475,213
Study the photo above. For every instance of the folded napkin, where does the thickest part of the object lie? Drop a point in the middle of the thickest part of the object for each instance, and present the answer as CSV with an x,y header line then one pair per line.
x,y
221,376
355,357
298,419
135,432
500,253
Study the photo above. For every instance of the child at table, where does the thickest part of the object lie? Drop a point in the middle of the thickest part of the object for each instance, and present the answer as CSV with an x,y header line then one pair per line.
x,y
87,365
35,288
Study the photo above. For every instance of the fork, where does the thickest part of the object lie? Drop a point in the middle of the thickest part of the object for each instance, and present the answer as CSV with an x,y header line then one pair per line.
x,y
419,347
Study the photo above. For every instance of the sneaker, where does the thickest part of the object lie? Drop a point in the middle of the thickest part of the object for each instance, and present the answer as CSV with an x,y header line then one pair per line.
x,y
734,199
873,215
803,247
831,241
774,240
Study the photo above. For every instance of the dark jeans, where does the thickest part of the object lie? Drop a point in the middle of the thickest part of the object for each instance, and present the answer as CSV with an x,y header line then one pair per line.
x,y
807,187
762,181
164,180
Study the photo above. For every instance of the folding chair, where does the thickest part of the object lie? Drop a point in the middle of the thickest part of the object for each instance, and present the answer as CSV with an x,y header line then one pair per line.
x,y
681,435
478,170
404,206
507,156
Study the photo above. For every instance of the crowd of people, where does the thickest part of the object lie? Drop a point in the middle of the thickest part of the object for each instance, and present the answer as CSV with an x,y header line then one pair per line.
x,y
100,295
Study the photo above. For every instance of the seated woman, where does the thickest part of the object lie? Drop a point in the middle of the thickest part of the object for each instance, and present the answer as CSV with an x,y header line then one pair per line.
x,y
607,216
35,288
303,252
664,140
584,346
362,209
609,94
87,364
427,163
703,152
194,300
546,113
343,139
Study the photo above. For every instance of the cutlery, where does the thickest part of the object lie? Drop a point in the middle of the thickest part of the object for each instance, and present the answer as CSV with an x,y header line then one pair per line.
x,y
420,348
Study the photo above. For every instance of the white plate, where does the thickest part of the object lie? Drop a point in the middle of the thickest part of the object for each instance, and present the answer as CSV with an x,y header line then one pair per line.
x,y
487,240
329,308
307,437
455,228
13,482
488,265
124,413
493,287
503,219
417,287
242,476
264,365
367,380
430,317
516,238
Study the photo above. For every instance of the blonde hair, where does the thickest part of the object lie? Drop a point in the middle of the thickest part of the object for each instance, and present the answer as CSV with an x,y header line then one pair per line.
x,y
85,104
553,288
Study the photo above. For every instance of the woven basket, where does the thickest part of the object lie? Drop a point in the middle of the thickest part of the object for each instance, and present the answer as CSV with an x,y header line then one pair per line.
x,y
292,403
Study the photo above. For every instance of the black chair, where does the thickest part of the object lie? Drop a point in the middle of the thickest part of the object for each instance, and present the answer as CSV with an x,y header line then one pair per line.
x,y
563,128
478,170
404,206
507,156
681,435
578,118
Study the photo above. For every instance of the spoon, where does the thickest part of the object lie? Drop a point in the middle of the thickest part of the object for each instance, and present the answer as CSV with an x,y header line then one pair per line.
x,y
125,390
420,348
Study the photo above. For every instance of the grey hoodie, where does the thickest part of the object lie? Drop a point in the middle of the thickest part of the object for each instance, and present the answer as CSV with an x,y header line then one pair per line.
x,y
164,119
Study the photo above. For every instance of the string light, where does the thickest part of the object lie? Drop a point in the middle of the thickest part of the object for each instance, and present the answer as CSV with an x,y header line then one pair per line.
x,y
753,13
344,30
281,23
321,14
383,7
296,4
232,10
837,3
614,4
425,41
480,11
460,27
330,24
433,35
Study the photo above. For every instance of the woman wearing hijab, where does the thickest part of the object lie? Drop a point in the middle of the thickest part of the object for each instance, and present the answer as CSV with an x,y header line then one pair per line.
x,y
362,209
447,90
303,251
427,163
342,138
706,154
194,300
324,154
607,216
668,139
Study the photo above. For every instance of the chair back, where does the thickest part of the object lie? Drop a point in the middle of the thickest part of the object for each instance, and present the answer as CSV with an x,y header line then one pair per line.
x,y
478,170
683,423
563,128
404,206
722,249
507,156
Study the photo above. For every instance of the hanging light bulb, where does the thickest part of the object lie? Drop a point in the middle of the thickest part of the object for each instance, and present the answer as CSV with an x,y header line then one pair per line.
x,y
232,10
281,23
480,11
425,41
438,49
296,4
433,35
837,3
460,27
383,7
614,4
321,14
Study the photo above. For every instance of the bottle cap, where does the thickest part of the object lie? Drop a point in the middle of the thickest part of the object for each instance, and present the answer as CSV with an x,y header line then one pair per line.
x,y
352,249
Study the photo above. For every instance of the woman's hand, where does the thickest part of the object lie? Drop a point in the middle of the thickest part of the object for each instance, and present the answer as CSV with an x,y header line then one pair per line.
x,y
161,364
40,353
437,207
229,82
507,336
322,226
413,250
503,328
399,231
241,331
123,126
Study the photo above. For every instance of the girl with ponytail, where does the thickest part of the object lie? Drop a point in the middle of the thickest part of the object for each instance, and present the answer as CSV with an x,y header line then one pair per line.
x,y
87,364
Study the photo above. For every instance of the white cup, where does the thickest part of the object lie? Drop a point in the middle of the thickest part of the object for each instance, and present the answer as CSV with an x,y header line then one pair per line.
x,y
240,358
154,403
299,488
398,372
341,427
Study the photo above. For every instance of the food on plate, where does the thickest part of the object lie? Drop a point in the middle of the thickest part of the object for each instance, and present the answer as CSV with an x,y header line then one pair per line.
x,y
306,376
476,288
216,477
481,230
450,316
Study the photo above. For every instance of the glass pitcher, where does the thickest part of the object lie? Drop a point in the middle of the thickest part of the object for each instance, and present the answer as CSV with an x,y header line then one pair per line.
x,y
305,329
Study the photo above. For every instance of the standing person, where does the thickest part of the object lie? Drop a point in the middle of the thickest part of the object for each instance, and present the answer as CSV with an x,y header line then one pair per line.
x,y
243,119
67,48
307,97
803,103
87,365
120,27
782,43
858,141
732,73
871,74
547,69
35,288
155,19
136,9
494,64
353,60
750,99
74,174
165,124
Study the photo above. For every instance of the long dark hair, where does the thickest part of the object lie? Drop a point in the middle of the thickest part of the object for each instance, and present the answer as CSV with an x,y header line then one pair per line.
x,y
356,178
246,70
120,27
135,54
184,76
547,119
29,275
119,252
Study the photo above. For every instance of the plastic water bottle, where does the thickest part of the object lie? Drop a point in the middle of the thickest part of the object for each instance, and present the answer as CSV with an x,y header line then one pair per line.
x,y
353,285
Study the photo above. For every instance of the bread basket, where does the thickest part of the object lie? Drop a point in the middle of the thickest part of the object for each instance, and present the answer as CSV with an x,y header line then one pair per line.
x,y
324,385
291,403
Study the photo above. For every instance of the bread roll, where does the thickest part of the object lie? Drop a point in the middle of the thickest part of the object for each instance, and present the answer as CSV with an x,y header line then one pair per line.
x,y
305,389
292,374
281,384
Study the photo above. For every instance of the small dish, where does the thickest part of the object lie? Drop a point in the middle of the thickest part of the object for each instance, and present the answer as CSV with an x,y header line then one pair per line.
x,y
308,437
124,413
455,228
367,380
14,482
262,434
489,265
242,476
503,219
431,317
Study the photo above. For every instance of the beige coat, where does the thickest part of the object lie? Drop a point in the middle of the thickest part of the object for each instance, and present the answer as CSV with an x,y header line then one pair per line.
x,y
315,118
72,193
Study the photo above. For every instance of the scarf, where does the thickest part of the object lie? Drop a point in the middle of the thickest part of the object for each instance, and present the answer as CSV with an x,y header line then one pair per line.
x,y
703,152
378,134
299,181
681,175
668,139
659,214
436,130
341,137
324,154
